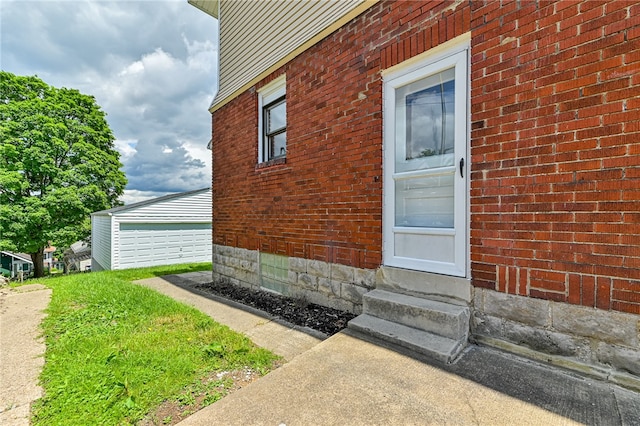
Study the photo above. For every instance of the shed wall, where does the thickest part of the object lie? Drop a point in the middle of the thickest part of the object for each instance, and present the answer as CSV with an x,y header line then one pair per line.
x,y
177,230
196,207
170,230
101,243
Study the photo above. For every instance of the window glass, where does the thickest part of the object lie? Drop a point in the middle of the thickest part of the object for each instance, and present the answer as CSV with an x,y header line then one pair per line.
x,y
425,201
275,130
430,121
276,117
278,145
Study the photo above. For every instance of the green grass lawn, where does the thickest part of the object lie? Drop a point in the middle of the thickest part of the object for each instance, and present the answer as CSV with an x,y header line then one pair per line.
x,y
116,350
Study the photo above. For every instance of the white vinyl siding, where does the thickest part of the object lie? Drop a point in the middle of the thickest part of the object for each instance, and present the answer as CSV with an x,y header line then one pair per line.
x,y
192,206
256,35
100,242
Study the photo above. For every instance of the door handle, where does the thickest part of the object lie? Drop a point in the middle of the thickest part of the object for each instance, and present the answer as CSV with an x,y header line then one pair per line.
x,y
462,167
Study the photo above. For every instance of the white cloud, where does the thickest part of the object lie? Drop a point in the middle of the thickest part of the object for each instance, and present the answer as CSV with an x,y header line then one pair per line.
x,y
151,67
133,195
127,148
200,54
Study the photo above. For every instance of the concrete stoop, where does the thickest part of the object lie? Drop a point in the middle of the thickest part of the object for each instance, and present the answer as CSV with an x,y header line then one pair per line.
x,y
436,329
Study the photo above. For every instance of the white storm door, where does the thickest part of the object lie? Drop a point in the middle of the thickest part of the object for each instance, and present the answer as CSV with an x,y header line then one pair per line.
x,y
425,166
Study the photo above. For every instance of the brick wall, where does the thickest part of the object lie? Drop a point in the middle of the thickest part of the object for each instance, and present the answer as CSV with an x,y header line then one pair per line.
x,y
555,184
555,147
325,203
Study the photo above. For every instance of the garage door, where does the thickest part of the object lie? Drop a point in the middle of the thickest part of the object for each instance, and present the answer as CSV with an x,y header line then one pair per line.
x,y
154,244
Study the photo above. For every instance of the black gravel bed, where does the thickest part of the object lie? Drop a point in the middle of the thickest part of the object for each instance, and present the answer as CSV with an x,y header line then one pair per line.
x,y
296,311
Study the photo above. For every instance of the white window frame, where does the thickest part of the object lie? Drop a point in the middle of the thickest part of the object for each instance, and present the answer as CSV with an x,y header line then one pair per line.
x,y
267,94
453,53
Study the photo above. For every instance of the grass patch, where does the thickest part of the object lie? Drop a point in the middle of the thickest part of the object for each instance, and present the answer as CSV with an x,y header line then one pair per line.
x,y
157,271
116,350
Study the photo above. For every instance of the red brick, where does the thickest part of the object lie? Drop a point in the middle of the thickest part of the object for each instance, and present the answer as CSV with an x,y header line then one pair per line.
x,y
555,165
575,290
579,83
631,308
606,86
614,16
603,293
598,67
501,278
578,19
548,295
588,291
581,103
626,285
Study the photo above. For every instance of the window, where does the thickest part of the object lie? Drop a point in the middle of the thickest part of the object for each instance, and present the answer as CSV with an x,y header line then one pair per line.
x,y
272,125
275,129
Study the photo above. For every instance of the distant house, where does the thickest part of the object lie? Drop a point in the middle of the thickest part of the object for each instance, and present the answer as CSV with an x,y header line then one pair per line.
x,y
452,170
11,264
78,257
48,261
162,231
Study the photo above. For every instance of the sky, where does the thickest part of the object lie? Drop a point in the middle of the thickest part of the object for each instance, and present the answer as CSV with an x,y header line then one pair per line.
x,y
150,64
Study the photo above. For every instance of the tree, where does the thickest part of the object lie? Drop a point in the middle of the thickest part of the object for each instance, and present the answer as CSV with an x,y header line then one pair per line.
x,y
57,165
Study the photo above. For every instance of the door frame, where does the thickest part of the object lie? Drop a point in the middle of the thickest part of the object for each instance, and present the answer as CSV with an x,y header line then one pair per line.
x,y
454,52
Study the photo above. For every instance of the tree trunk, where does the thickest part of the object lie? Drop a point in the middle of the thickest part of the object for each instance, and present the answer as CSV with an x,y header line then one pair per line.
x,y
38,264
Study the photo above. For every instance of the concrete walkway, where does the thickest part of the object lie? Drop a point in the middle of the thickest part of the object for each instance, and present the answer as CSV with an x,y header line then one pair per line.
x,y
347,380
343,380
21,350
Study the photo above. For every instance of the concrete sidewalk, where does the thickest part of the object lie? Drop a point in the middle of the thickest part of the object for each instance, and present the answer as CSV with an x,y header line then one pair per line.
x,y
21,350
348,380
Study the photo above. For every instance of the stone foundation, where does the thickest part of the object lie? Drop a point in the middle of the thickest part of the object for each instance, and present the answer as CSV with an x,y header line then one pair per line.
x,y
328,284
604,344
600,343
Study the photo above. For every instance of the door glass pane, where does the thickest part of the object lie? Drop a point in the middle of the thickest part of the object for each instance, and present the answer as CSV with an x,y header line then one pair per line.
x,y
425,126
425,123
425,202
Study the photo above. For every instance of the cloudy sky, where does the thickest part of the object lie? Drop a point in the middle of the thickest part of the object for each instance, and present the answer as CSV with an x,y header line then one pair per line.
x,y
149,64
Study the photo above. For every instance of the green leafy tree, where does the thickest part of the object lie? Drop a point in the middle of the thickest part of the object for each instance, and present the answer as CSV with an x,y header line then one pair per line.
x,y
57,165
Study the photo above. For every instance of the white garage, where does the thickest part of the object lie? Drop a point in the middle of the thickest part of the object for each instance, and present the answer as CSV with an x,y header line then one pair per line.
x,y
162,231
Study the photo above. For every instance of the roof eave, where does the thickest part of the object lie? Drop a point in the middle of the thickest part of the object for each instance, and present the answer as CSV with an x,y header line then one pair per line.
x,y
110,212
210,7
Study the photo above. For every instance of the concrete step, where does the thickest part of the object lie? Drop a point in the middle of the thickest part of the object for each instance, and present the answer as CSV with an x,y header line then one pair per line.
x,y
439,318
429,344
